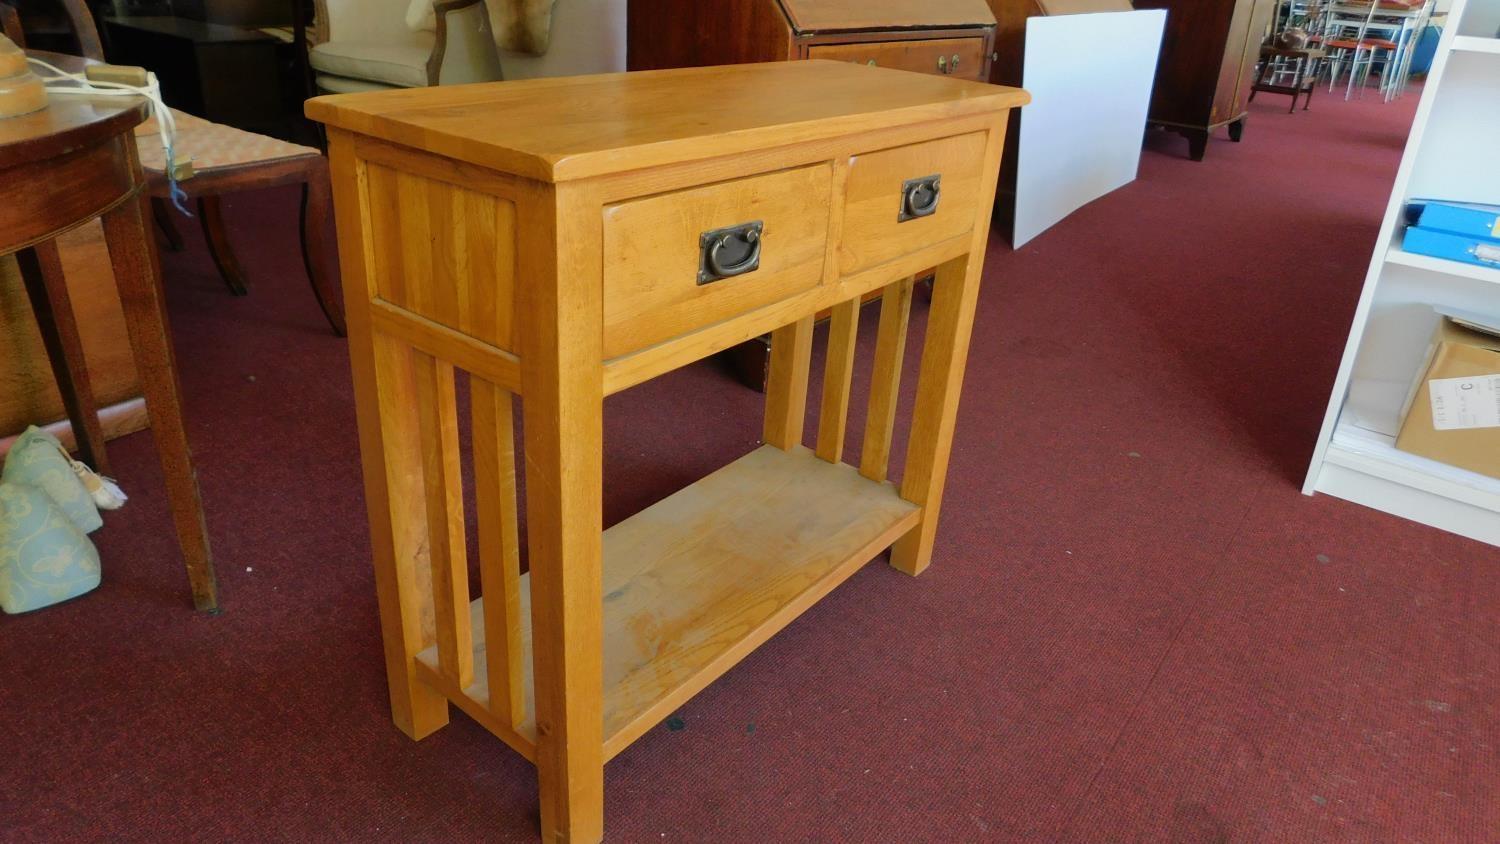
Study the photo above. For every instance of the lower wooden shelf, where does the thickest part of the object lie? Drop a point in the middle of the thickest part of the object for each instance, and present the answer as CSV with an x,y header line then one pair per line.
x,y
698,580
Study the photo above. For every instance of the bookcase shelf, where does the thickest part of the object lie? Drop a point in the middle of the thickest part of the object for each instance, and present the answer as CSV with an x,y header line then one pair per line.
x,y
1476,44
1449,155
1400,256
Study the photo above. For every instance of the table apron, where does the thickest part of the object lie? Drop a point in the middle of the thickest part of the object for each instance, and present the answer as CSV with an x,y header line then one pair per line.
x,y
76,187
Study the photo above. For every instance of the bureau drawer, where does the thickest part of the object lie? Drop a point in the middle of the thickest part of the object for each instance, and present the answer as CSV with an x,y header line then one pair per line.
x,y
959,57
654,254
888,212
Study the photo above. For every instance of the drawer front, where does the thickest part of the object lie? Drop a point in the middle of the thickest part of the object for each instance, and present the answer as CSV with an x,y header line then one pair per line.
x,y
878,225
654,254
959,57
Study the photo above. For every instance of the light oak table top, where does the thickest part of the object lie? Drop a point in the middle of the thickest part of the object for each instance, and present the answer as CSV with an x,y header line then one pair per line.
x,y
561,129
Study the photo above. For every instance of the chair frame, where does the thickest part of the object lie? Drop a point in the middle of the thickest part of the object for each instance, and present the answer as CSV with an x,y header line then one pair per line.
x,y
310,171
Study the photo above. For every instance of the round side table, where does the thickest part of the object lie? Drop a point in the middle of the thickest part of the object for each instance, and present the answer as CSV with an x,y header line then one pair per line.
x,y
62,167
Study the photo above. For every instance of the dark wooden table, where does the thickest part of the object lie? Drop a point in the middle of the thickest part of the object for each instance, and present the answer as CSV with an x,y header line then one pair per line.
x,y
64,166
1309,60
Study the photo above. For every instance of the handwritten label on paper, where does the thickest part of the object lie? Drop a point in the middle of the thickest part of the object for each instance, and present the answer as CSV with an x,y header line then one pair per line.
x,y
1461,403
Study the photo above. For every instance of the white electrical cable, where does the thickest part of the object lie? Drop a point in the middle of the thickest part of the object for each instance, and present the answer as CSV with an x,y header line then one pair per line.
x,y
59,81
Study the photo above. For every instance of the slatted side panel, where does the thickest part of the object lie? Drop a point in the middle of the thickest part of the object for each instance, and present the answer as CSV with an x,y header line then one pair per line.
x,y
787,381
438,430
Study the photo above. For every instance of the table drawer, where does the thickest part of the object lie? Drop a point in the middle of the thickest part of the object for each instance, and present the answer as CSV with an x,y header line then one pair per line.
x,y
659,282
881,220
959,57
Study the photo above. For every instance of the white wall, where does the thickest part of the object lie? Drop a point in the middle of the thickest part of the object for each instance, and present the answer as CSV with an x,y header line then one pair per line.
x,y
588,36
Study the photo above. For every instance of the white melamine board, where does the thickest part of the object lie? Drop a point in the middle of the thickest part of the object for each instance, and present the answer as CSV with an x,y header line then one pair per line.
x,y
1090,79
1457,158
1481,19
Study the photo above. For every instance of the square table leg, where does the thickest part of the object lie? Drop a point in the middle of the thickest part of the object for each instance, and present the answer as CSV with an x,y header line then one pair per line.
x,y
132,253
562,404
945,350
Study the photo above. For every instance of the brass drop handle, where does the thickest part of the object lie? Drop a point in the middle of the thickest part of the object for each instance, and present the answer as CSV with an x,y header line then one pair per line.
x,y
728,252
942,64
953,64
919,197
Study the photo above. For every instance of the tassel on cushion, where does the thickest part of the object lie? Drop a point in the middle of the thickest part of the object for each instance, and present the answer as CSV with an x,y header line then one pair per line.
x,y
106,493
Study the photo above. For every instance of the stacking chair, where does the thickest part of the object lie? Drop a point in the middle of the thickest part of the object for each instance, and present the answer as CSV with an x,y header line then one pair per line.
x,y
1358,53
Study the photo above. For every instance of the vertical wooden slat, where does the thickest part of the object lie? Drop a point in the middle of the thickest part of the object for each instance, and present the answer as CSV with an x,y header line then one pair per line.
x,y
499,547
437,412
786,385
885,383
838,373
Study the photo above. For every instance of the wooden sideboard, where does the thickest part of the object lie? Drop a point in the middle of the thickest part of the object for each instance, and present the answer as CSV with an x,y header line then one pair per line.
x,y
655,218
948,37
1208,57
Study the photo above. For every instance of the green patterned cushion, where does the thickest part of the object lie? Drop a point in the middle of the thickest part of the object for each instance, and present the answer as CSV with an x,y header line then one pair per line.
x,y
38,459
44,557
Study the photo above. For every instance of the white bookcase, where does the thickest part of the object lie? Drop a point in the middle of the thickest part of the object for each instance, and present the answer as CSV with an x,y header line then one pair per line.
x,y
1453,153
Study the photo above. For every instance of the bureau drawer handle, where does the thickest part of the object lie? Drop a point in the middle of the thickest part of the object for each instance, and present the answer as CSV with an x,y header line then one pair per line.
x,y
919,197
729,252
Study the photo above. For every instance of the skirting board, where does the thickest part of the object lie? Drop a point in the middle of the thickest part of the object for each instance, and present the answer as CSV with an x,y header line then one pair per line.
x,y
117,420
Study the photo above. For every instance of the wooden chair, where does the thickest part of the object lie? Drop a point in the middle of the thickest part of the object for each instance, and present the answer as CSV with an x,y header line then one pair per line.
x,y
226,160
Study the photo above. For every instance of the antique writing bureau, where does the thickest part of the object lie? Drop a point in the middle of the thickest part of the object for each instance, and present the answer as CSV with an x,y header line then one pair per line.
x,y
563,239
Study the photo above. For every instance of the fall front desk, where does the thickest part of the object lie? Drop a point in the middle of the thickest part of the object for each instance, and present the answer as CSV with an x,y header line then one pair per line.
x,y
560,240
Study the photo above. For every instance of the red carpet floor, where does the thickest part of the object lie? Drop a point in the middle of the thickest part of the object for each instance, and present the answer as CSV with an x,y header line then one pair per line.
x,y
1135,628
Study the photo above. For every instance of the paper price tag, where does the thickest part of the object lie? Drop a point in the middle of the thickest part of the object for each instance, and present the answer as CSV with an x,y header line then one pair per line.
x,y
1461,403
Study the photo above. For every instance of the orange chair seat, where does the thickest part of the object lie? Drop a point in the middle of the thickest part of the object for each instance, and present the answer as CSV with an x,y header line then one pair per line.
x,y
1351,44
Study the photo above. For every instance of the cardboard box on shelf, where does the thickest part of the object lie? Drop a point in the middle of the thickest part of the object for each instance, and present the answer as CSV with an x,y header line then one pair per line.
x,y
1453,413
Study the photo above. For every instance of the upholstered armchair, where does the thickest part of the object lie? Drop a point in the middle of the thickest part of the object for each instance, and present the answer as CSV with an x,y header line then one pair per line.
x,y
366,45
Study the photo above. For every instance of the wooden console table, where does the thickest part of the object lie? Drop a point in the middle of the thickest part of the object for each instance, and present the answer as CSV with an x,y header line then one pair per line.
x,y
564,239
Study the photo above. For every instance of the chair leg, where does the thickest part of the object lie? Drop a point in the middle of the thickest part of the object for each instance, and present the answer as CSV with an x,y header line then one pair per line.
x,y
161,212
41,272
316,255
211,216
1297,84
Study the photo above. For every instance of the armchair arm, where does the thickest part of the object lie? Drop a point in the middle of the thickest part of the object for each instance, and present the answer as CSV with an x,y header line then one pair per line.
x,y
461,42
320,24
